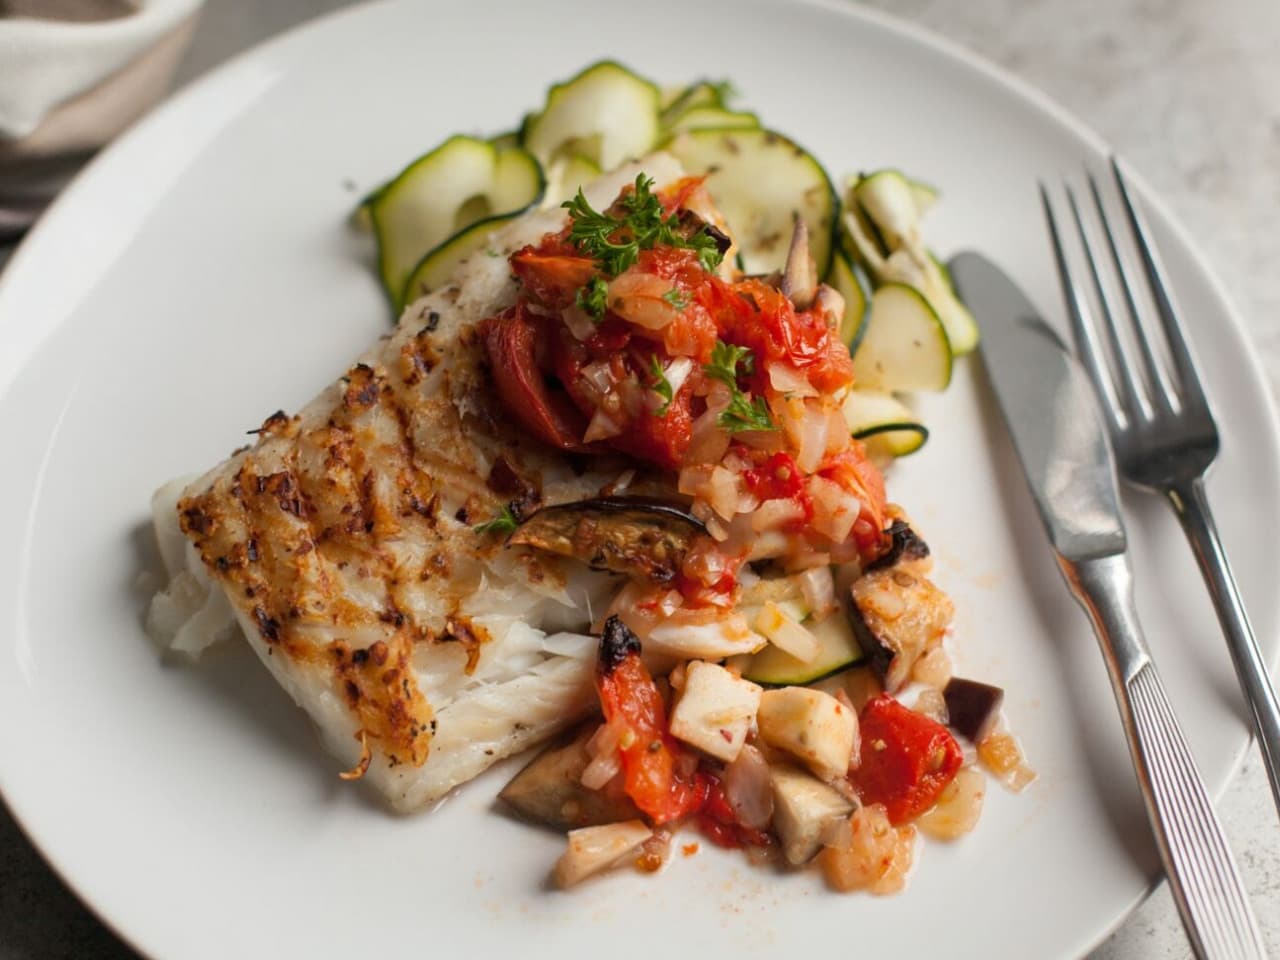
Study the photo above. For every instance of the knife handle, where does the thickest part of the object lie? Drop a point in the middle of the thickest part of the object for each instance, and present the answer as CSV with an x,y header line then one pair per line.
x,y
1202,873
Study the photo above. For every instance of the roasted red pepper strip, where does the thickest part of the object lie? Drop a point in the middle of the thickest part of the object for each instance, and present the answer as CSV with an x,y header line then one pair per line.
x,y
511,341
629,695
907,759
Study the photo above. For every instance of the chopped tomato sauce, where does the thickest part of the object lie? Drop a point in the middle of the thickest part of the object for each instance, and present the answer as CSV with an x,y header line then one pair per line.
x,y
649,753
583,359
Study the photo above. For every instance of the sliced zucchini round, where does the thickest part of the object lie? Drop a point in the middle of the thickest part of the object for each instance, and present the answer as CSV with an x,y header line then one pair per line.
x,y
838,650
889,202
606,113
460,182
926,195
884,423
759,179
962,328
565,175
439,264
845,280
706,118
905,346
704,93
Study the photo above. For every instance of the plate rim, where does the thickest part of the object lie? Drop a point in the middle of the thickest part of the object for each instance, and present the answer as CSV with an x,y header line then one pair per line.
x,y
60,218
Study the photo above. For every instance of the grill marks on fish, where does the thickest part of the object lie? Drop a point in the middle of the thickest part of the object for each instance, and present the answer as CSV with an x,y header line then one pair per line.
x,y
381,689
350,498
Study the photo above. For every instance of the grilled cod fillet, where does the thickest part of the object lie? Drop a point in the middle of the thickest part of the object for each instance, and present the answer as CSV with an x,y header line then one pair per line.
x,y
342,544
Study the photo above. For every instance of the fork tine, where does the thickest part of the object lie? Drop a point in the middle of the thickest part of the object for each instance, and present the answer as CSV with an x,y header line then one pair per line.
x,y
1132,401
1192,391
1082,326
1158,387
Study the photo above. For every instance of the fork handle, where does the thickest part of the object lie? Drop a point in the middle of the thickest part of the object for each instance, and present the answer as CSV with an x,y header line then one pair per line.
x,y
1202,874
1192,507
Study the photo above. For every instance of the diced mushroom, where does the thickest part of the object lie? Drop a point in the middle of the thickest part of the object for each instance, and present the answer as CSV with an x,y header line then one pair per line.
x,y
972,707
549,789
804,809
593,850
812,726
897,615
715,710
800,277
639,536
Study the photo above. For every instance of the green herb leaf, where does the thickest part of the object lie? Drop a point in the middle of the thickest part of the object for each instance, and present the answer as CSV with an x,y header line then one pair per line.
x,y
504,522
725,358
661,385
675,296
615,242
742,413
592,298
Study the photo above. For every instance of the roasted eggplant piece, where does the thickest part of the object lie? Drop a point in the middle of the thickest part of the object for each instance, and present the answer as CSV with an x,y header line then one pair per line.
x,y
643,537
549,789
972,707
897,615
803,809
905,543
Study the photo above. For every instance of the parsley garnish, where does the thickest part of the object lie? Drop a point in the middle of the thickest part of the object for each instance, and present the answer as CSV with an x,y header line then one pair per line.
x,y
676,298
741,414
592,298
661,386
504,522
616,242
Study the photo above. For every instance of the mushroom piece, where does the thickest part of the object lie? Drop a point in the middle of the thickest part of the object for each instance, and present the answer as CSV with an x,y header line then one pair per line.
x,y
642,537
800,276
549,788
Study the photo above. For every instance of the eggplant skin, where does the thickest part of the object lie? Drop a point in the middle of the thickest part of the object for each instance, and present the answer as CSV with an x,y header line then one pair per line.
x,y
549,790
972,707
617,642
905,543
642,537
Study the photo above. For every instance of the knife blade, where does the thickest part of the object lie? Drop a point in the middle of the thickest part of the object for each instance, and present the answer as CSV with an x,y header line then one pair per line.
x,y
1049,407
1057,430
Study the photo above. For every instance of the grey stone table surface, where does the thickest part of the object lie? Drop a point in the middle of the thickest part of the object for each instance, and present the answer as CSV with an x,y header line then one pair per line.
x,y
1187,90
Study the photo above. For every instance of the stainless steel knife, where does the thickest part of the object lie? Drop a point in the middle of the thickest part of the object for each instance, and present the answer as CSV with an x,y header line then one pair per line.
x,y
1060,439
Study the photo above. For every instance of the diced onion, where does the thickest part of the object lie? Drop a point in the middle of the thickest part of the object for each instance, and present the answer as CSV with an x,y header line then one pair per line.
x,y
723,493
678,372
819,589
775,514
805,423
829,304
636,296
601,427
838,437
580,325
708,441
834,509
600,375
746,787
785,634
785,378
695,480
601,770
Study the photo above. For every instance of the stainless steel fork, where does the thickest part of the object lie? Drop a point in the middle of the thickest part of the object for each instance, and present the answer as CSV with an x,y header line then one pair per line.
x,y
1161,427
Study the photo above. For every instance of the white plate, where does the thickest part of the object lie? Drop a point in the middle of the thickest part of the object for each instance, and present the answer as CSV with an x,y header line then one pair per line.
x,y
200,275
